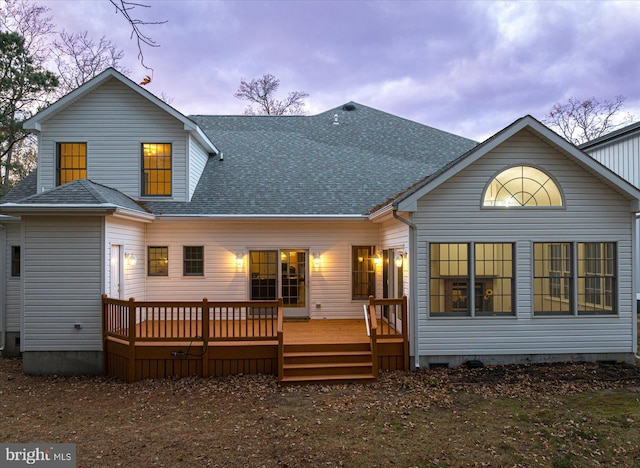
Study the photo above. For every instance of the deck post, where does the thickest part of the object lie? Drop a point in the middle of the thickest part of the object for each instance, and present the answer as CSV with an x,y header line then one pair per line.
x,y
374,337
105,321
280,331
131,371
205,337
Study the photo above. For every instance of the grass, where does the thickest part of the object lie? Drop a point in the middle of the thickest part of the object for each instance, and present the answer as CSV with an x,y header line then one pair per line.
x,y
556,416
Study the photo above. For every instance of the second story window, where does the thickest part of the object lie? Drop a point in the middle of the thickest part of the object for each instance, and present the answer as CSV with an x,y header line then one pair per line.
x,y
72,162
156,169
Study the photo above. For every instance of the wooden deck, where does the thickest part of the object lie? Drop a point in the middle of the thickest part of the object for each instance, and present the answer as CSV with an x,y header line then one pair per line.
x,y
158,340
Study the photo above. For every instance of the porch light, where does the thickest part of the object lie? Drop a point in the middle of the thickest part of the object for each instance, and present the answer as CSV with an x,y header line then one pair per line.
x,y
131,259
398,259
377,259
239,259
316,259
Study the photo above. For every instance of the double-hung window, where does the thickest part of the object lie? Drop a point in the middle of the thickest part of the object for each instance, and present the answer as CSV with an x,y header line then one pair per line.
x,y
193,260
471,280
574,278
156,169
158,261
71,162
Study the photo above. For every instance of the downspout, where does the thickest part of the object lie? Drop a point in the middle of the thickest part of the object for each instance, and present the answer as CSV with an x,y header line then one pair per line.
x,y
636,256
3,285
413,281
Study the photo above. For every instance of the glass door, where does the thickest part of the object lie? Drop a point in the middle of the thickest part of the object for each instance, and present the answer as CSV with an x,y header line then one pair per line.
x,y
293,270
287,280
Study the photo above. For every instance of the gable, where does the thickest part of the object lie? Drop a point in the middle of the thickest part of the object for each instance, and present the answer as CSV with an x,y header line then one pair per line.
x,y
546,143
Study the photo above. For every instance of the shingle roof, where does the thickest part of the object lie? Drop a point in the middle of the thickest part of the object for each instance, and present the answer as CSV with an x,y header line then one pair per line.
x,y
345,161
309,165
77,192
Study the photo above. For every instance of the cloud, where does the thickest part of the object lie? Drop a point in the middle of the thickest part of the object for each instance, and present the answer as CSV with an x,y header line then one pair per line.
x,y
466,67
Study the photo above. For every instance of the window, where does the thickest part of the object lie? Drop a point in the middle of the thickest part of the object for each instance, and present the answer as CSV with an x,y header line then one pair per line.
x,y
156,169
451,274
596,277
522,186
584,286
363,272
552,278
72,162
15,261
158,261
193,261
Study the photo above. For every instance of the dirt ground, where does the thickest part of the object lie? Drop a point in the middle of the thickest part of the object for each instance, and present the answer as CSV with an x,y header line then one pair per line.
x,y
537,415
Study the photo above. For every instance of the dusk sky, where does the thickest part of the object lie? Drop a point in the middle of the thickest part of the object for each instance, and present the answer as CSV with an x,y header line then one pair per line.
x,y
467,67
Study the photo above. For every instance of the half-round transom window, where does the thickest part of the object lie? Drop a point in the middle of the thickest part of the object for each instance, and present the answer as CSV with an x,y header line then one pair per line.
x,y
522,186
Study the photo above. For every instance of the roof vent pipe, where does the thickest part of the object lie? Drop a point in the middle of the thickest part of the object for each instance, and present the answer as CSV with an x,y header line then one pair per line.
x,y
221,156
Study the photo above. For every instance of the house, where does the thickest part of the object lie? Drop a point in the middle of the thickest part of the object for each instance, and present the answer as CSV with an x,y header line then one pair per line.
x,y
620,152
518,249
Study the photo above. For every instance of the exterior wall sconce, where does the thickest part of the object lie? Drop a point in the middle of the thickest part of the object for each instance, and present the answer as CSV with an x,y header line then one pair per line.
x,y
398,259
239,259
377,259
131,259
316,259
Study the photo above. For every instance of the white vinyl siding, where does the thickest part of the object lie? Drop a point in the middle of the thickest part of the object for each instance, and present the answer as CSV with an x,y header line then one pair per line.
x,y
197,160
114,121
329,284
593,212
62,275
129,235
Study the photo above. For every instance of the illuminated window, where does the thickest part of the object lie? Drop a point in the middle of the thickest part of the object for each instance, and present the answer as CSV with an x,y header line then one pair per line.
x,y
451,274
156,169
363,272
596,277
158,261
522,186
555,281
553,278
72,162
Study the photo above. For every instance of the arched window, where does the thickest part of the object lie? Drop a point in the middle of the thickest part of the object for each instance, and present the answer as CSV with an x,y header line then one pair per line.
x,y
522,186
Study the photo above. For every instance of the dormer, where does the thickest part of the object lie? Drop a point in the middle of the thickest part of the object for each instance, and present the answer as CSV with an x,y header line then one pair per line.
x,y
113,132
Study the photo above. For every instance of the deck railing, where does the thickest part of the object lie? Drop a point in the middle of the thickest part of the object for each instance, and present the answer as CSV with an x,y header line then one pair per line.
x,y
204,320
372,330
392,321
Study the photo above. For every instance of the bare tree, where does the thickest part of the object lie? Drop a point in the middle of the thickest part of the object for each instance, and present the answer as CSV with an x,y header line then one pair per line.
x,y
78,58
32,22
582,120
261,92
125,7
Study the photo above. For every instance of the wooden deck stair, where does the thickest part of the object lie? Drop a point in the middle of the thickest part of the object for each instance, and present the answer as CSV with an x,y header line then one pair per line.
x,y
327,363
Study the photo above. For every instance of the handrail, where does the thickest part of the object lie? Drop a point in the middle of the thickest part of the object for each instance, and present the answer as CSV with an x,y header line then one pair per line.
x,y
366,318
